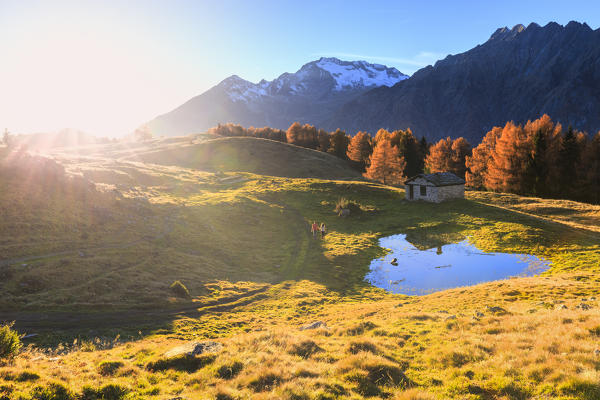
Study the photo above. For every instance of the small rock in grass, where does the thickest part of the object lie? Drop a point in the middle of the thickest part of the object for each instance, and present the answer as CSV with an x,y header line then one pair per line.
x,y
451,317
314,325
597,352
194,349
583,306
479,314
561,307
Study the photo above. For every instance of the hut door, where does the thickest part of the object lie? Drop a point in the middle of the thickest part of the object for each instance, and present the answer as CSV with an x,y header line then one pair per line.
x,y
411,191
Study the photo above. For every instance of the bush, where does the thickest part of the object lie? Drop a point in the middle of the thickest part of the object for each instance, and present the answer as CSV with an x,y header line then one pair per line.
x,y
108,368
10,342
230,371
345,204
53,391
179,290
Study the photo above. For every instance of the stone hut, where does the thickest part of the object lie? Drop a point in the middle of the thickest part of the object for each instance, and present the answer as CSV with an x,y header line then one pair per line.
x,y
435,187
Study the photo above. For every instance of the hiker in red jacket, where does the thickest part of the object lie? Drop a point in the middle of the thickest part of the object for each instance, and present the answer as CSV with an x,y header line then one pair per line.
x,y
314,228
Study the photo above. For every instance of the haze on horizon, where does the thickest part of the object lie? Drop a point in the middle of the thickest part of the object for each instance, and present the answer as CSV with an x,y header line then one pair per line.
x,y
108,67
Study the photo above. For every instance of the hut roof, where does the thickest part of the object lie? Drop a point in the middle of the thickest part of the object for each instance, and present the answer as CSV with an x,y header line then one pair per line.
x,y
439,179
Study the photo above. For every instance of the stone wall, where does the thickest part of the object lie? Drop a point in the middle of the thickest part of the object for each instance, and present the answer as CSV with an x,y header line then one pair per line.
x,y
433,193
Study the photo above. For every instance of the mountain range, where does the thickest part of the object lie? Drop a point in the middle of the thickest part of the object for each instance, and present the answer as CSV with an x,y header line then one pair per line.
x,y
518,74
311,95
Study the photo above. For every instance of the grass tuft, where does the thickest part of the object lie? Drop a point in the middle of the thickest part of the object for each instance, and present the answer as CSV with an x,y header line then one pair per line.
x,y
184,363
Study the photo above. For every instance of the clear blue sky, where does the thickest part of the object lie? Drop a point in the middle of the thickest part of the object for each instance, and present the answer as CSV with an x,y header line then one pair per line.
x,y
108,66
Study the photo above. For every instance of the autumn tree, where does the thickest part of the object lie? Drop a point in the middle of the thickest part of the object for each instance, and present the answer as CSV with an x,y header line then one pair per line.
x,y
448,155
302,135
360,149
477,163
386,165
509,161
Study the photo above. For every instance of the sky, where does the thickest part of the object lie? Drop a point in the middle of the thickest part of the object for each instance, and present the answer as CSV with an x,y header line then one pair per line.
x,y
106,67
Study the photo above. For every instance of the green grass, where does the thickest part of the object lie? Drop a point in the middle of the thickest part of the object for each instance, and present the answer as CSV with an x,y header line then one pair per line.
x,y
240,242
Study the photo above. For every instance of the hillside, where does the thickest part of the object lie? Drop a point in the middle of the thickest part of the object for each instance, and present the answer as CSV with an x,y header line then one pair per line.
x,y
517,75
239,242
258,156
309,95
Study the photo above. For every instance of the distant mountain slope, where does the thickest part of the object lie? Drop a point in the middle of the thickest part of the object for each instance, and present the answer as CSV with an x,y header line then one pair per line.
x,y
518,74
309,96
259,156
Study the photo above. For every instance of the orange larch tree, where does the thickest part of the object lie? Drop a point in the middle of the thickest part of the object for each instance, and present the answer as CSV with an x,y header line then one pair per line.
x,y
386,165
360,149
477,163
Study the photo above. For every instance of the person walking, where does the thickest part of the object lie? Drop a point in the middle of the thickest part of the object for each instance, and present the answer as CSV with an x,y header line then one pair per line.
x,y
323,230
314,229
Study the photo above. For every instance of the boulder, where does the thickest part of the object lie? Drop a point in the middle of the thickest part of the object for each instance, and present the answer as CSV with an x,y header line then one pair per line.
x,y
314,325
194,349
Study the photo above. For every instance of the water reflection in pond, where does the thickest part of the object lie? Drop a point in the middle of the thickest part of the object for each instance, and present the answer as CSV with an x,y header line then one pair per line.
x,y
409,270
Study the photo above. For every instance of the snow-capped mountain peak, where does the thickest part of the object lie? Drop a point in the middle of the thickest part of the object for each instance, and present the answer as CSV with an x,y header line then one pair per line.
x,y
360,73
326,74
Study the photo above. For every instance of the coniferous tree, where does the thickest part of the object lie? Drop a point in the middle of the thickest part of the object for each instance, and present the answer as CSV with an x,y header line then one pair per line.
x,y
568,160
339,143
324,140
360,149
508,163
448,155
477,163
386,165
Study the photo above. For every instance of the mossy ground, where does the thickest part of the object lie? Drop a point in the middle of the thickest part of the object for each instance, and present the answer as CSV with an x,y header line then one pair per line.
x,y
240,243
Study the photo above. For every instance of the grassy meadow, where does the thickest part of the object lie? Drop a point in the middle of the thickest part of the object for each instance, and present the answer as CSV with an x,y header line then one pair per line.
x,y
90,274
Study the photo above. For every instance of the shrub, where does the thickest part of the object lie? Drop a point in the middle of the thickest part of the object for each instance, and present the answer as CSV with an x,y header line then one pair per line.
x,y
107,368
230,371
185,363
10,342
53,391
345,204
305,349
179,290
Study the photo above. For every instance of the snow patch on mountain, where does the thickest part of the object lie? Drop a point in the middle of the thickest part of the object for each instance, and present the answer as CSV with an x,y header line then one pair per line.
x,y
345,75
360,73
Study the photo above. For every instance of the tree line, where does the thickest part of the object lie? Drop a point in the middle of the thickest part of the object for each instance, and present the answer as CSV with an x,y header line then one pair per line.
x,y
538,158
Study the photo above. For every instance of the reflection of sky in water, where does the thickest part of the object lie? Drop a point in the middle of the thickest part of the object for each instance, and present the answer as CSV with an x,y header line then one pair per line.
x,y
424,271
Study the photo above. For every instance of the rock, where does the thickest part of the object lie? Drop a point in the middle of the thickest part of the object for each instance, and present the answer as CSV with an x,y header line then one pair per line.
x,y
194,349
479,314
597,352
583,306
443,312
561,307
394,261
450,317
592,298
345,212
314,325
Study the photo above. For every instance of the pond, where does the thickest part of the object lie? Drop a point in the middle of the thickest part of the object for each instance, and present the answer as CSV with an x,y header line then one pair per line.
x,y
419,272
